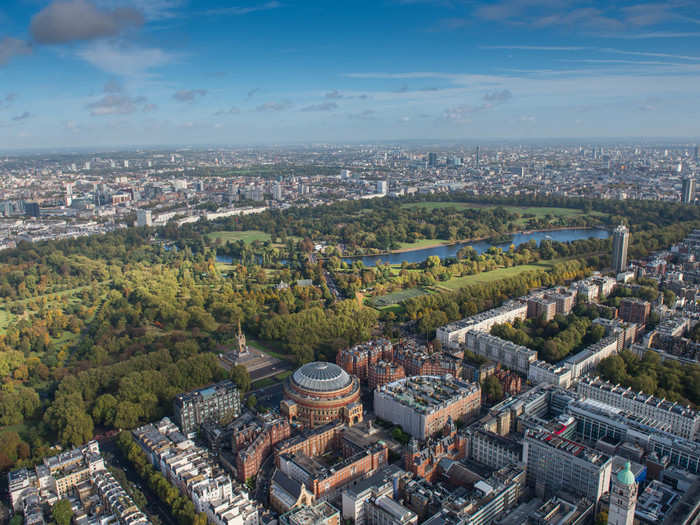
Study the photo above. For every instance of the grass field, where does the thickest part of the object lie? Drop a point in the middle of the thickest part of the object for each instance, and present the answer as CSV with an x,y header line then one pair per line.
x,y
395,297
246,236
5,319
270,380
422,243
487,277
269,348
538,211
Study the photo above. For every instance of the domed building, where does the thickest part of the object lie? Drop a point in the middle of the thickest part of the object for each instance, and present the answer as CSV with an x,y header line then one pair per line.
x,y
319,393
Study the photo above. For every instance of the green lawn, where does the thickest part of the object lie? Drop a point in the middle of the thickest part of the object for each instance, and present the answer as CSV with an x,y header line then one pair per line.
x,y
225,267
395,297
247,236
5,319
422,243
538,211
269,348
395,308
268,381
487,277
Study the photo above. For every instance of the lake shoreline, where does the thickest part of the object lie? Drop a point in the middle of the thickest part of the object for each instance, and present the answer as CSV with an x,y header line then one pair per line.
x,y
466,241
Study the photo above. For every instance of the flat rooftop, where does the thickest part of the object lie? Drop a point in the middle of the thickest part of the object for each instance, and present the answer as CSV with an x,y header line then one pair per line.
x,y
427,393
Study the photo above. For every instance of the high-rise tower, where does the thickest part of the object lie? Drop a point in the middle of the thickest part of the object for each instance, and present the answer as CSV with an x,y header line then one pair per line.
x,y
623,497
621,239
688,190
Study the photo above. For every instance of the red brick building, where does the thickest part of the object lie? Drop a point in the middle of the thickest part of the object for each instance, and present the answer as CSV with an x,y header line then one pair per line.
x,y
384,372
423,462
359,457
634,311
357,360
254,442
511,382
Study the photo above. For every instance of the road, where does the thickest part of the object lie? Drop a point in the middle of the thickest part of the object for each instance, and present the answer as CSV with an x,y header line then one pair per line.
x,y
262,482
332,286
269,396
155,506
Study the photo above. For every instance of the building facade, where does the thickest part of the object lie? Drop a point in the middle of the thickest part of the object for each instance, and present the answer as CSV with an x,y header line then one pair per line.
x,y
554,464
621,240
682,421
422,405
213,403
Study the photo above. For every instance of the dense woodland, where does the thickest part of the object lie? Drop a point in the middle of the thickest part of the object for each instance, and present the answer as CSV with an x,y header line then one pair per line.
x,y
100,333
556,339
666,379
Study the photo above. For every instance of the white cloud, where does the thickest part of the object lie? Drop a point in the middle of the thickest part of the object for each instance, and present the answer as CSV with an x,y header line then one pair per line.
x,y
124,60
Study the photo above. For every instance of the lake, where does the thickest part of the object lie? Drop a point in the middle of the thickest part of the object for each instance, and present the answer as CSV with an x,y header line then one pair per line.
x,y
446,251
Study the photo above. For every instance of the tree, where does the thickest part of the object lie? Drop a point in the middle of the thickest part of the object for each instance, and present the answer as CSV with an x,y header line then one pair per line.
x,y
492,388
240,376
613,369
669,298
62,512
250,483
252,401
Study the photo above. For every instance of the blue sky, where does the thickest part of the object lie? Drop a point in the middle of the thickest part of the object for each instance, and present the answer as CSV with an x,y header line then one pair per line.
x,y
129,72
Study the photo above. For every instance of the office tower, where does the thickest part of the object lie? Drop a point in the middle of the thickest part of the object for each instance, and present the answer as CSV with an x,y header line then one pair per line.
x,y
554,464
87,165
696,153
69,194
126,163
432,159
206,404
381,187
143,218
623,497
477,157
621,240
277,192
688,190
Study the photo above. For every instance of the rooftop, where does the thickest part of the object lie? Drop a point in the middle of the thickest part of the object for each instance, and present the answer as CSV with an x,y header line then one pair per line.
x,y
321,377
427,393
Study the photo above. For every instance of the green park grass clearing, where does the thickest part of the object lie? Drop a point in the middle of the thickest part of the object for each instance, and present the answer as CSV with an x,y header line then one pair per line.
x,y
5,319
538,211
246,236
225,267
395,297
269,381
421,243
394,308
488,277
269,348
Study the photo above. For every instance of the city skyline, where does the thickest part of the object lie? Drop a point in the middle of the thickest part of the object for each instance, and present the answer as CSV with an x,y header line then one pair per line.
x,y
107,73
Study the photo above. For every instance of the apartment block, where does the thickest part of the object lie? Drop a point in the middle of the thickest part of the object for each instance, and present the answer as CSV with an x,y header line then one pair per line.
x,y
422,405
79,474
206,404
196,473
452,335
684,421
547,373
512,356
